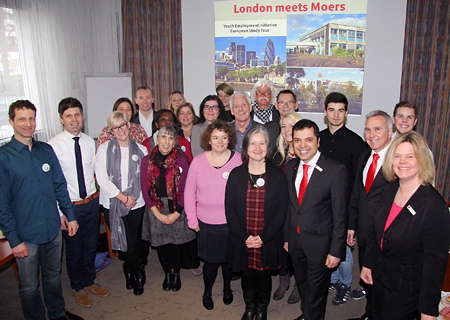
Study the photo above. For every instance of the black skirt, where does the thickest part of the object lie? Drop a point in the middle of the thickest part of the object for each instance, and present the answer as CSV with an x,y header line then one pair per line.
x,y
212,241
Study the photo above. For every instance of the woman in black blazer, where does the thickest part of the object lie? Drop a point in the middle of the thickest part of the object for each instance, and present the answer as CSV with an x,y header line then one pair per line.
x,y
256,199
407,251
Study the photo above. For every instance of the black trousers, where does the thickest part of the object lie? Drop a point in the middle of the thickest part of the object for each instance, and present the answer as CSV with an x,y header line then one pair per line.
x,y
367,287
136,253
313,279
170,257
256,281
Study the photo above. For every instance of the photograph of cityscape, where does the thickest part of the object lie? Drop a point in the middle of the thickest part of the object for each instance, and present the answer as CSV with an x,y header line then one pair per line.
x,y
242,61
325,53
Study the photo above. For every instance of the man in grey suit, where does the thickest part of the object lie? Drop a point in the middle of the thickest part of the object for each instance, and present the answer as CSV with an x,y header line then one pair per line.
x,y
315,228
368,187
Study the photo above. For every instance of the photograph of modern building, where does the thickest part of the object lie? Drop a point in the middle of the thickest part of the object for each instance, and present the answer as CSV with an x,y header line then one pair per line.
x,y
327,40
325,53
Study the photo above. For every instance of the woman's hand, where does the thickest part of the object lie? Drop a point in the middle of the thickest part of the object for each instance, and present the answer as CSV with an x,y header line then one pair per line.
x,y
158,215
253,242
128,201
172,217
286,246
195,228
131,202
366,275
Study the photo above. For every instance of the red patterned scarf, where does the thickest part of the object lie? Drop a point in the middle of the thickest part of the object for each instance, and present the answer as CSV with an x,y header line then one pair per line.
x,y
172,176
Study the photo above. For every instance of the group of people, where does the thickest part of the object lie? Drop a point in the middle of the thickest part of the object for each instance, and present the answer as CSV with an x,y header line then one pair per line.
x,y
248,186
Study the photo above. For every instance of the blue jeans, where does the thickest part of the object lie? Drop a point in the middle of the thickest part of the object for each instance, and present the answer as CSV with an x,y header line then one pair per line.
x,y
49,257
82,247
343,273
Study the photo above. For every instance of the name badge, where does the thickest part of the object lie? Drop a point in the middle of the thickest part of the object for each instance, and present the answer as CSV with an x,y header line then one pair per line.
x,y
410,209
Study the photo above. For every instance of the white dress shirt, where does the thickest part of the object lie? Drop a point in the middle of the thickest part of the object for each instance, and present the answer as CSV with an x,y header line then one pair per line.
x,y
107,188
312,166
146,123
64,146
380,161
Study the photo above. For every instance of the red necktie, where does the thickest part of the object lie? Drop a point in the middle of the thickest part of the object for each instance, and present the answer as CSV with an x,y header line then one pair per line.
x,y
303,184
371,172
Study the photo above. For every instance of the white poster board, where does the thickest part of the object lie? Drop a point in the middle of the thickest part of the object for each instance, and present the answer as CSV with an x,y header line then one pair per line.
x,y
102,91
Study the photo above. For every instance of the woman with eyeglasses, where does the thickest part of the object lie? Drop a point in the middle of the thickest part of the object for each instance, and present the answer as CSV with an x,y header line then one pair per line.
x,y
117,166
211,109
137,132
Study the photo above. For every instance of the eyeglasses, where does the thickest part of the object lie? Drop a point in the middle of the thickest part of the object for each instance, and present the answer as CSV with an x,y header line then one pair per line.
x,y
265,94
211,107
121,127
282,103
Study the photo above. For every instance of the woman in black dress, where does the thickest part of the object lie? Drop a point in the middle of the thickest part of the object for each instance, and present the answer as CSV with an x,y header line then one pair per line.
x,y
256,201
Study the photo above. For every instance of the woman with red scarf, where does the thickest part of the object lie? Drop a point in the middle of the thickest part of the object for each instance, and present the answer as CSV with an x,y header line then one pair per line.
x,y
163,177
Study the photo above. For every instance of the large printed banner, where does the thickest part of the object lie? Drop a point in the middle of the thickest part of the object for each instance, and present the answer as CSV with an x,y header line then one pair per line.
x,y
310,47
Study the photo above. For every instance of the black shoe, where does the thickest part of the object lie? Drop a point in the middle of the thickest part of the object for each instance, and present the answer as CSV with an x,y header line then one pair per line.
x,y
167,283
69,316
139,283
207,301
129,277
227,296
176,286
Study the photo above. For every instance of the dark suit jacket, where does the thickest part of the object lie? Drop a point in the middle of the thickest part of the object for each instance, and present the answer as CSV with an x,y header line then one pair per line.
x,y
275,208
274,129
322,217
415,246
363,206
135,118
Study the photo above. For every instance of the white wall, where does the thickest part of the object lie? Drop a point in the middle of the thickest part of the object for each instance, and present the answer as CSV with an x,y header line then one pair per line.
x,y
383,66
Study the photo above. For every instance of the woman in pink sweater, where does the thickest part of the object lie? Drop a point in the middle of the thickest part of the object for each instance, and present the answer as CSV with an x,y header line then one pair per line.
x,y
204,204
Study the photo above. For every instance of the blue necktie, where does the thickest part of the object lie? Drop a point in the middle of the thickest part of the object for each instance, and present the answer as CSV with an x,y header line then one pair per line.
x,y
80,172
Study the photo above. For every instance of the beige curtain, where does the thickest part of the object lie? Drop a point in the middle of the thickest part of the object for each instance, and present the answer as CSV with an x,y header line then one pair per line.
x,y
152,47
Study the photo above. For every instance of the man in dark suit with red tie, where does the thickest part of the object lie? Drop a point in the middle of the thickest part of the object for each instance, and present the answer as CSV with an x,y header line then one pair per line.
x,y
315,228
368,187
